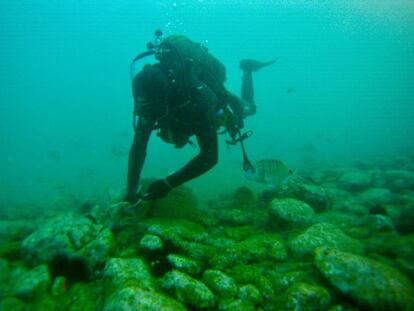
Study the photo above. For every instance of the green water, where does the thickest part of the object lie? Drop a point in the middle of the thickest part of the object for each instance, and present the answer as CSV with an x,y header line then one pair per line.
x,y
65,90
340,96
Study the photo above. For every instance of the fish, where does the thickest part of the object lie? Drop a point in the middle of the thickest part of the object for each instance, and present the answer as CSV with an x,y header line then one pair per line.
x,y
271,171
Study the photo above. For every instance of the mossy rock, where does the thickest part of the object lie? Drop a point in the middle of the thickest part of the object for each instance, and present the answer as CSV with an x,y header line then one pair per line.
x,y
176,231
240,217
377,196
198,251
266,246
181,203
10,250
323,234
129,272
137,299
355,180
250,293
243,198
82,297
33,284
185,264
282,281
286,213
304,297
188,290
317,197
370,284
240,233
16,230
220,283
400,179
235,305
252,274
12,304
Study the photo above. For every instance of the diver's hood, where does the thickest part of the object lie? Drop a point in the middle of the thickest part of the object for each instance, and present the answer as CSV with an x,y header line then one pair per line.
x,y
151,89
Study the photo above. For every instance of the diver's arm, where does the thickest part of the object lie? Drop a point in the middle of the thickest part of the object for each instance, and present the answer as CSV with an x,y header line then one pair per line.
x,y
207,139
204,161
137,155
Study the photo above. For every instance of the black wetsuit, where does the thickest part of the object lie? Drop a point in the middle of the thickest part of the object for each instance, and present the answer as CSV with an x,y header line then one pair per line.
x,y
197,117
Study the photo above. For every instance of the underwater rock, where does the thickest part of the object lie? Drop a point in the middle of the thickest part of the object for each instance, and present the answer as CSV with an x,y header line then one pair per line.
x,y
4,269
283,280
250,293
220,283
175,231
286,213
404,222
121,273
12,304
81,297
181,203
243,198
378,223
350,224
377,196
317,197
355,180
198,251
401,250
240,233
59,286
343,201
236,305
188,290
68,235
184,264
264,246
381,244
252,274
398,180
259,247
99,248
240,217
130,286
339,219
349,206
368,283
4,277
150,243
304,297
323,234
15,230
10,250
137,299
342,308
33,283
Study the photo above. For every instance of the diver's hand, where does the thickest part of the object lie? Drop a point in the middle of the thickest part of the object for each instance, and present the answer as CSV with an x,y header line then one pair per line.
x,y
157,190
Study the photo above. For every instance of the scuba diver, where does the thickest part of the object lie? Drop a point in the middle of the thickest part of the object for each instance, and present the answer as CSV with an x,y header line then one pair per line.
x,y
182,95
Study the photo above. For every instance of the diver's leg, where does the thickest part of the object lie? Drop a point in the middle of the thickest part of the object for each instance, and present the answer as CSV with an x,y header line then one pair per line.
x,y
247,94
247,91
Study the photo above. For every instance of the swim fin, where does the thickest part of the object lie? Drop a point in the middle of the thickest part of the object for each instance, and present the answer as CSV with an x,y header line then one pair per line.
x,y
251,65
